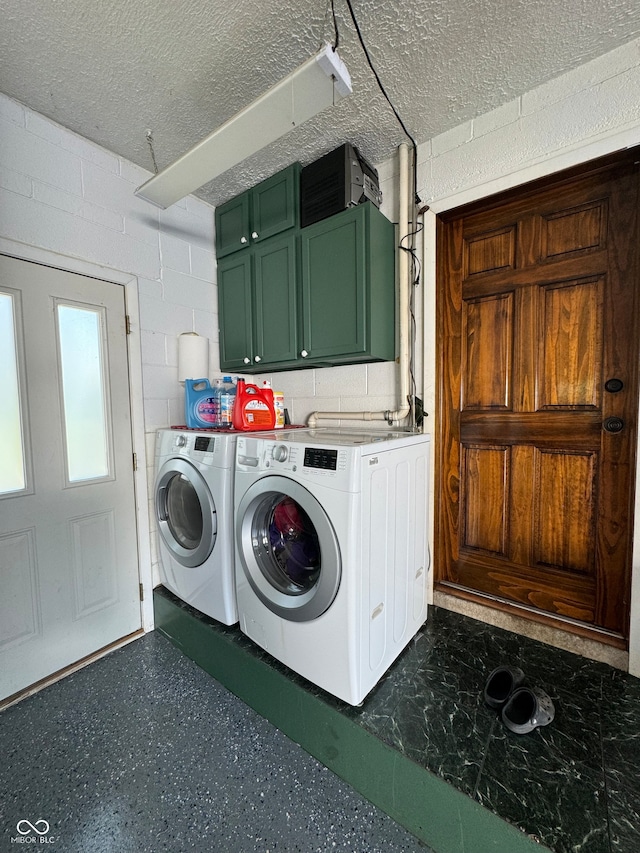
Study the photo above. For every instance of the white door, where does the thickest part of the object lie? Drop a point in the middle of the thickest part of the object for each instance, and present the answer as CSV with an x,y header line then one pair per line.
x,y
69,582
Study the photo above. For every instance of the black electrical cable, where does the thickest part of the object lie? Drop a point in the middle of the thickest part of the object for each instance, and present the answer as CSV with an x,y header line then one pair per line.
x,y
388,99
416,268
335,27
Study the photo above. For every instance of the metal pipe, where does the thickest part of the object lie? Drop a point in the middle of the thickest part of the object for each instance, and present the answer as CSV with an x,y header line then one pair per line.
x,y
405,227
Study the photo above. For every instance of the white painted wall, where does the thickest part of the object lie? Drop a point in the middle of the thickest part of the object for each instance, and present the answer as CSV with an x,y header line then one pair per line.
x,y
70,203
75,200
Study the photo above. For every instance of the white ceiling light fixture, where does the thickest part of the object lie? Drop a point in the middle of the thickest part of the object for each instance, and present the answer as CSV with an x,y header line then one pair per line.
x,y
316,84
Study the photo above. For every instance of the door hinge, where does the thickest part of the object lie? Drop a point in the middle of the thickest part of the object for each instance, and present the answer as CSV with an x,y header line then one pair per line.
x,y
141,593
127,324
135,461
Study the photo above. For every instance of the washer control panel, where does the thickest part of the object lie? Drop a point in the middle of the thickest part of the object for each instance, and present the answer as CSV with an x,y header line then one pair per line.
x,y
318,457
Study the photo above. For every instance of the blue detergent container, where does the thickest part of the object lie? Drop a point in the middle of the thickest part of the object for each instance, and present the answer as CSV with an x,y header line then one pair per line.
x,y
201,404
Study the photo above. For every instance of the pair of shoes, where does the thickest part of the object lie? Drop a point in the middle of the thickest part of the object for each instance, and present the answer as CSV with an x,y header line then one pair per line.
x,y
522,709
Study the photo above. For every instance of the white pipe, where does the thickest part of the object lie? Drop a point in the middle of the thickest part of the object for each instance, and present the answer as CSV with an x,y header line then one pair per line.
x,y
405,220
405,226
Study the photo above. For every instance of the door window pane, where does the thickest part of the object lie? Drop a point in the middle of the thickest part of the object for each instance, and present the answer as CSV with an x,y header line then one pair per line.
x,y
84,392
12,476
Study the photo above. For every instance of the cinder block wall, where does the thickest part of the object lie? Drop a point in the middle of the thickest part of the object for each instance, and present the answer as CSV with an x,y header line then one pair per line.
x,y
62,193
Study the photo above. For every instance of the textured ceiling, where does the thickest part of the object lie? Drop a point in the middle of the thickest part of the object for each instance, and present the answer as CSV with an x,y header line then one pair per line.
x,y
113,70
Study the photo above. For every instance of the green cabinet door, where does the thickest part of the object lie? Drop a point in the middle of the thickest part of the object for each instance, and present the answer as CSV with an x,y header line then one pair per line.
x,y
275,312
257,307
348,288
275,203
235,312
232,226
267,209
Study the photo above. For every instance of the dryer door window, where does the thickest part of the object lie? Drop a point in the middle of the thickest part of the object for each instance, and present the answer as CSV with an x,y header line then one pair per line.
x,y
288,549
183,511
186,513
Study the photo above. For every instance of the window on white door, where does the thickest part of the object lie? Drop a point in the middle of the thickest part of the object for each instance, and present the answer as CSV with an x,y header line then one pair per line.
x,y
84,392
12,458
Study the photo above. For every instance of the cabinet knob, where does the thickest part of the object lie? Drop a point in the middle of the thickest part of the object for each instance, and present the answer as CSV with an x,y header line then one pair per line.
x,y
254,234
243,239
257,358
304,353
246,360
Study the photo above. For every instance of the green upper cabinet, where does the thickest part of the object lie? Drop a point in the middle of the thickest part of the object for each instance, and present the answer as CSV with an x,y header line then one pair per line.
x,y
348,288
257,307
275,337
232,226
267,209
291,297
235,311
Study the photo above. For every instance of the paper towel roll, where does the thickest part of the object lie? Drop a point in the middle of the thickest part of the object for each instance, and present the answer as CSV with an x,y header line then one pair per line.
x,y
193,356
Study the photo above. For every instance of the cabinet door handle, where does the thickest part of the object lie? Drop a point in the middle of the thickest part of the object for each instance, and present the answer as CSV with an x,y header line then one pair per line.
x,y
246,360
304,353
257,358
254,234
243,239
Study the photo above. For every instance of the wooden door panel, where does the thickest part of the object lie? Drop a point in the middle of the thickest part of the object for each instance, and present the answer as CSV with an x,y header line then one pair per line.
x,y
564,596
564,522
564,269
537,310
485,485
571,348
542,429
488,345
578,229
490,252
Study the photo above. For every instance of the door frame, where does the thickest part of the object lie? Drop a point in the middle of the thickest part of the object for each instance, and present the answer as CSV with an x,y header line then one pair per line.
x,y
26,252
557,162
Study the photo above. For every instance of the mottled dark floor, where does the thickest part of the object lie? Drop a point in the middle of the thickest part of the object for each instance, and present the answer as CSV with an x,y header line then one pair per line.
x,y
143,751
575,784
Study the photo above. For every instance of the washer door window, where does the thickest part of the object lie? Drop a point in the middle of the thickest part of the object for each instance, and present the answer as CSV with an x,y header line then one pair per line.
x,y
186,513
288,549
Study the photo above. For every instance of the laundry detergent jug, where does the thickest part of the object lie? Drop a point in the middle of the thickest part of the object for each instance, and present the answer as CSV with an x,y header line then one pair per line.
x,y
201,404
253,408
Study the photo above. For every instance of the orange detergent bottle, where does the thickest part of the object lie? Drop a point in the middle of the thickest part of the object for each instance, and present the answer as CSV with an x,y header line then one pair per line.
x,y
253,408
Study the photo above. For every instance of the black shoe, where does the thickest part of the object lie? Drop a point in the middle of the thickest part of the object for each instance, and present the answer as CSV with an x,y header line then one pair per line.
x,y
527,709
501,684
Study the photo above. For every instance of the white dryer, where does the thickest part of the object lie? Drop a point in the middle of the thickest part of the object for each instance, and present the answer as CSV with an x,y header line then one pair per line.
x,y
331,551
194,511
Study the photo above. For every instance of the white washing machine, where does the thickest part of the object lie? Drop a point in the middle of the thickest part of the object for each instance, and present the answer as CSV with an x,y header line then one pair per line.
x,y
331,551
194,511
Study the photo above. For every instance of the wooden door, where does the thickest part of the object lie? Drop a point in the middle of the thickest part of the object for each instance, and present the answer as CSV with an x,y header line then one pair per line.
x,y
538,399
